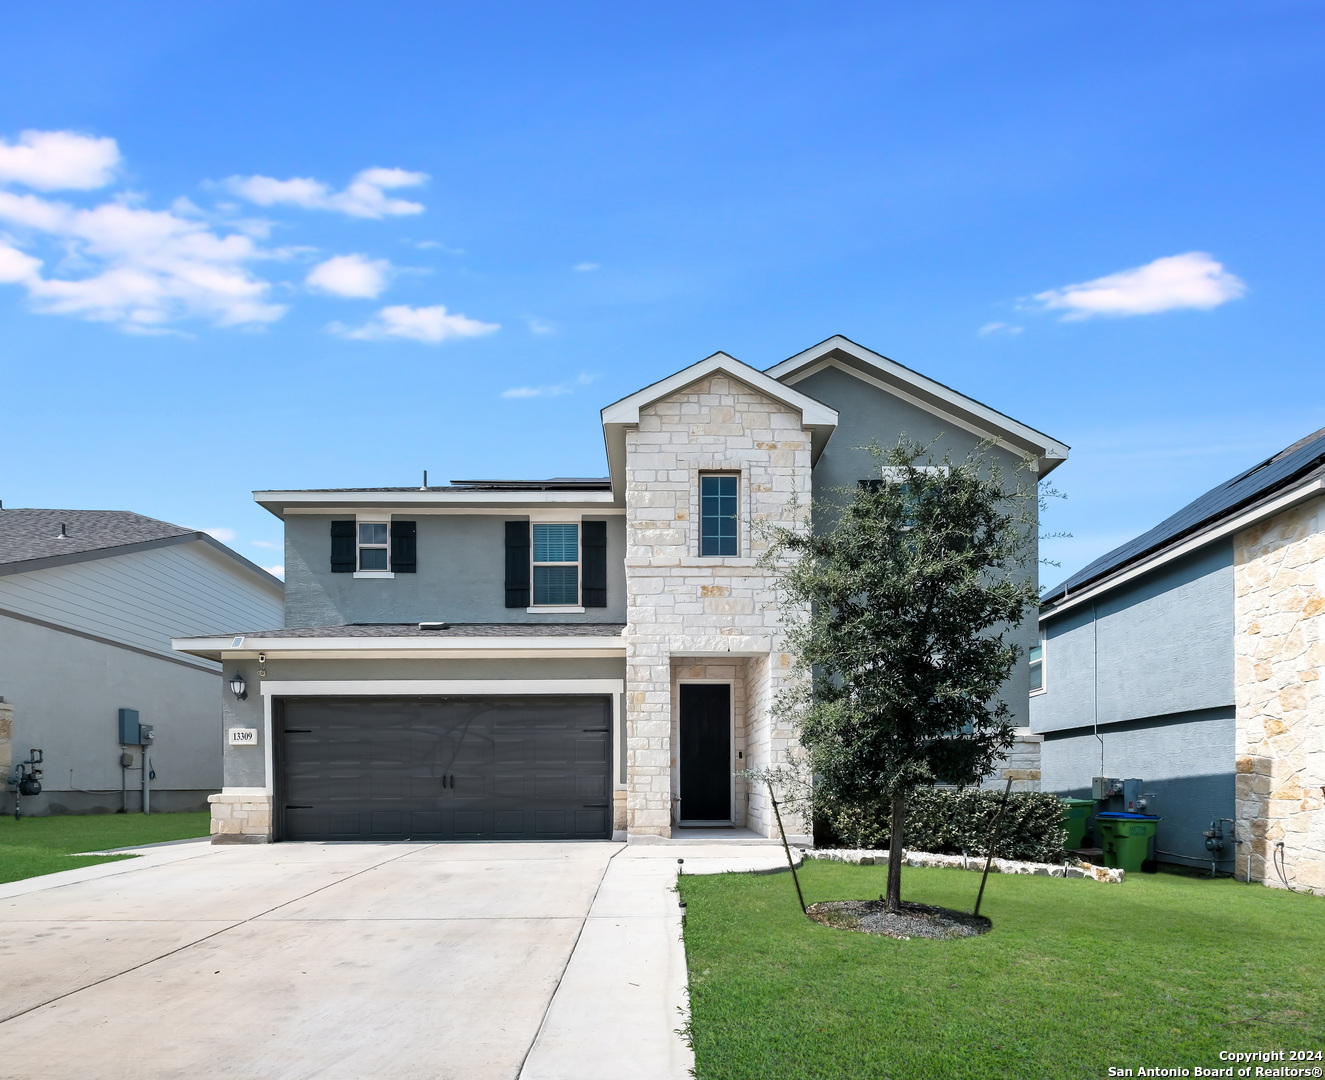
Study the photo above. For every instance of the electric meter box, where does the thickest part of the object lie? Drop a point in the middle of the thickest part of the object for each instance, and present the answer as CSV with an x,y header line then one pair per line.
x,y
130,733
145,734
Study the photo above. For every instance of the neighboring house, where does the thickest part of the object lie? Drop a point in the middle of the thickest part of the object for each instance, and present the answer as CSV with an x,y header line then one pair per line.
x,y
89,600
1190,658
566,658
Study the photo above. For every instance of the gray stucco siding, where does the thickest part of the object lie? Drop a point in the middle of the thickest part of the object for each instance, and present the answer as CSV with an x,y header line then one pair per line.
x,y
66,691
1185,762
461,575
1164,645
868,414
245,766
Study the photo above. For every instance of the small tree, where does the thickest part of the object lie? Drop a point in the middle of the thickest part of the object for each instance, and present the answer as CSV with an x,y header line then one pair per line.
x,y
906,602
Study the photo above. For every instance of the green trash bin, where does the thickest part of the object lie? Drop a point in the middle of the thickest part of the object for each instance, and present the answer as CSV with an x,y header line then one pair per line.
x,y
1126,838
1076,814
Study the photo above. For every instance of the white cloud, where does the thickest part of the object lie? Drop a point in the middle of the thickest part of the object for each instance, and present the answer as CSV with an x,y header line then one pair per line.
x,y
583,379
350,275
276,571
585,267
365,196
135,267
51,160
431,325
1191,280
999,328
224,535
540,326
265,544
16,267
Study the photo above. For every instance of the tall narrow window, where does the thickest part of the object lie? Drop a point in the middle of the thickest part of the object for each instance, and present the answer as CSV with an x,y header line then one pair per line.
x,y
1037,667
718,499
556,565
372,545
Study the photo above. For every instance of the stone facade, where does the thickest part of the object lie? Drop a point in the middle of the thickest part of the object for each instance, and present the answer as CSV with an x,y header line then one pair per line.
x,y
685,610
240,819
1021,765
1279,567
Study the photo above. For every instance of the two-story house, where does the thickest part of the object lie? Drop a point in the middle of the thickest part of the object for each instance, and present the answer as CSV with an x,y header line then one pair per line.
x,y
570,658
1190,658
89,603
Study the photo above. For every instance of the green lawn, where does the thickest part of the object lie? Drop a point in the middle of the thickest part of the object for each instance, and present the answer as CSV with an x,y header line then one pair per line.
x,y
42,845
1162,971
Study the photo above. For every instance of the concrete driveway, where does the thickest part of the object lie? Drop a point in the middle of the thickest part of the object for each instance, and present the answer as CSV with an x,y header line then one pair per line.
x,y
392,961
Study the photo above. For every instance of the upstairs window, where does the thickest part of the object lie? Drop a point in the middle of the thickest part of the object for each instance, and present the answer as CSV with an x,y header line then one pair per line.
x,y
373,545
1036,657
718,499
556,562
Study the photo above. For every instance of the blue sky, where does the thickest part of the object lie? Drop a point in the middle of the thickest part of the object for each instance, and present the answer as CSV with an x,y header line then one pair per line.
x,y
267,245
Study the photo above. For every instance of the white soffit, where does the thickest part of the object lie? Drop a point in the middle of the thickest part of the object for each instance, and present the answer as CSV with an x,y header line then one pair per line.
x,y
934,397
369,648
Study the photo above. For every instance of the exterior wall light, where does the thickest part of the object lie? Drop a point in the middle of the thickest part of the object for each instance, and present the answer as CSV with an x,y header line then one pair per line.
x,y
239,687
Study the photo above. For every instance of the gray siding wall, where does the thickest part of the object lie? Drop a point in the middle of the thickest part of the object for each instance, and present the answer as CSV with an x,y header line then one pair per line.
x,y
245,766
1186,762
1164,645
66,691
868,414
461,575
145,598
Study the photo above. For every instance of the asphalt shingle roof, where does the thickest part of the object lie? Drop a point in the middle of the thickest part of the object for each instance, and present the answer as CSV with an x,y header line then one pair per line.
x,y
394,630
35,534
1303,460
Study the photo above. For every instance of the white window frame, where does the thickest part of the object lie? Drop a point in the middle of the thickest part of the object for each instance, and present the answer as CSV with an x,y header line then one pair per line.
x,y
557,609
359,547
1044,681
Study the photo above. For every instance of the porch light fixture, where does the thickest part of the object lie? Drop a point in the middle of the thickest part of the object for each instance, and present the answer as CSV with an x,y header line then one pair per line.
x,y
239,687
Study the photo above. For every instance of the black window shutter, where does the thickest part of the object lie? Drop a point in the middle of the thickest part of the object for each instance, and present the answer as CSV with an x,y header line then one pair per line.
x,y
517,564
404,547
593,569
344,547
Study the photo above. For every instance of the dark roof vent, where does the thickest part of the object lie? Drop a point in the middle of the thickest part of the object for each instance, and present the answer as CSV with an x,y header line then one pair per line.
x,y
64,535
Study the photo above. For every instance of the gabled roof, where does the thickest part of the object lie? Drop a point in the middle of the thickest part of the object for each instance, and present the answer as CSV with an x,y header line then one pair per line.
x,y
31,539
843,353
1297,468
817,417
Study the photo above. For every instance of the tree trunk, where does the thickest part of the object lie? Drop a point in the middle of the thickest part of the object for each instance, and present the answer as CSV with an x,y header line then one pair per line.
x,y
895,840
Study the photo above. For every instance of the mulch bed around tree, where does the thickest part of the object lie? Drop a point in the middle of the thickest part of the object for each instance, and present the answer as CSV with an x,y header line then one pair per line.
x,y
914,920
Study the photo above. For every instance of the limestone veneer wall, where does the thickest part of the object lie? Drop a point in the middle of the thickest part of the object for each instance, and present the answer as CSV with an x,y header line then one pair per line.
x,y
686,606
1279,568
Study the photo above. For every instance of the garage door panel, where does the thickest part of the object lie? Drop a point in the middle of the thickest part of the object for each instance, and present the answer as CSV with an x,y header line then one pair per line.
x,y
445,768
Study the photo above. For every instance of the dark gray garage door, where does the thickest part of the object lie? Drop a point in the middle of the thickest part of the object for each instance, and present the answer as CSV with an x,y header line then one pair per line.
x,y
478,768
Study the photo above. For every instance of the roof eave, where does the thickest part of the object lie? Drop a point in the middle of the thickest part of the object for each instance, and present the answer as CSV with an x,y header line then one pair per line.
x,y
1047,451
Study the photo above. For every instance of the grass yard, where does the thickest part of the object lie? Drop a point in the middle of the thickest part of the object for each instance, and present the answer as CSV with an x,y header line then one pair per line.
x,y
1163,971
42,845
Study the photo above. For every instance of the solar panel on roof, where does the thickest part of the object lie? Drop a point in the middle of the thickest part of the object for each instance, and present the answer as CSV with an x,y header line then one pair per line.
x,y
1245,488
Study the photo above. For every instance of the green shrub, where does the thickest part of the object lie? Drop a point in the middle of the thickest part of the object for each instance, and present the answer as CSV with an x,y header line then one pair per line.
x,y
953,821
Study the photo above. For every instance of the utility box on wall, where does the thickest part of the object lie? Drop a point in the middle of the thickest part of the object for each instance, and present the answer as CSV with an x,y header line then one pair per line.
x,y
130,733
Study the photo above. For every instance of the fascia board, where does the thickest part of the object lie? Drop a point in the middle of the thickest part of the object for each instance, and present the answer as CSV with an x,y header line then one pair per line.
x,y
813,412
1216,531
217,648
934,395
278,502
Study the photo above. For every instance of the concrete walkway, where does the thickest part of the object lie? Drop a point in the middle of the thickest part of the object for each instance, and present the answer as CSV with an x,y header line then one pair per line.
x,y
401,961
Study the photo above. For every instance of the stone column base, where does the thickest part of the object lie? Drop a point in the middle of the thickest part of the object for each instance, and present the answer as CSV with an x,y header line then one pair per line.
x,y
240,819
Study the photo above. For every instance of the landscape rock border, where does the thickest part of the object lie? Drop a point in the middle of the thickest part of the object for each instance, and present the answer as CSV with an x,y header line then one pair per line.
x,y
866,857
